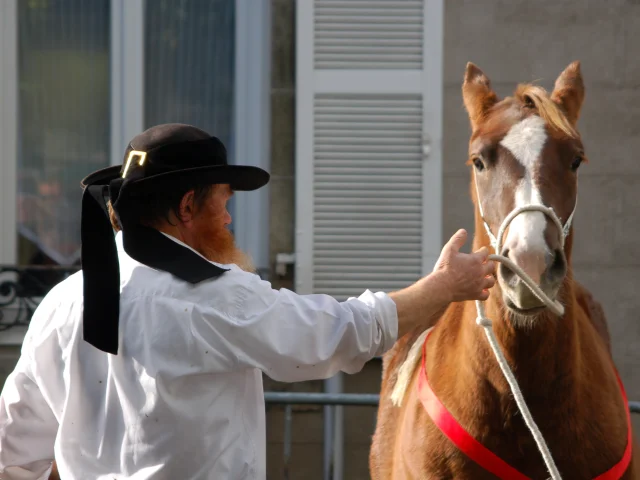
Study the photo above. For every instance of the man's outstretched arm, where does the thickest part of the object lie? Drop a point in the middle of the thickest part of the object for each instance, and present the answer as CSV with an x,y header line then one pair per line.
x,y
293,337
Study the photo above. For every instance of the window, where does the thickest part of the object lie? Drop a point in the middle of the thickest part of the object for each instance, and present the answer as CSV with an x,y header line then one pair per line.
x,y
189,57
79,79
63,121
91,75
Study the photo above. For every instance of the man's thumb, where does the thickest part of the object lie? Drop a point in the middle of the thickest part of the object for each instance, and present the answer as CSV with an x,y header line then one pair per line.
x,y
457,241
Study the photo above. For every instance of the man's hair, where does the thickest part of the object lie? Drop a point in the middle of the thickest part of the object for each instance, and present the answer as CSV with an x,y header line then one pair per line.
x,y
150,209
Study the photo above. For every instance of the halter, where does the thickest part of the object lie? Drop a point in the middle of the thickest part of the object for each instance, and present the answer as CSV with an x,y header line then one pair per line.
x,y
496,243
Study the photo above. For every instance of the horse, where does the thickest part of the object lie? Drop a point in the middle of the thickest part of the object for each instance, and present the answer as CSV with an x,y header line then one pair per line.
x,y
524,150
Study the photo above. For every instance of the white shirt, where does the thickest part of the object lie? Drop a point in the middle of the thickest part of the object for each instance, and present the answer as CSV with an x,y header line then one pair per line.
x,y
183,399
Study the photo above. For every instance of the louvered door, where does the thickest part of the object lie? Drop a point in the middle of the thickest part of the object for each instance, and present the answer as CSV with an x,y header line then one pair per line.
x,y
368,155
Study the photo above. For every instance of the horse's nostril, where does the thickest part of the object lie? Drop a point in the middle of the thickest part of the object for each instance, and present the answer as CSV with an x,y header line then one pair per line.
x,y
506,273
550,258
558,265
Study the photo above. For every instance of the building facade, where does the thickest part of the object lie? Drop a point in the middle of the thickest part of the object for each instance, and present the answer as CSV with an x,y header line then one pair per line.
x,y
356,110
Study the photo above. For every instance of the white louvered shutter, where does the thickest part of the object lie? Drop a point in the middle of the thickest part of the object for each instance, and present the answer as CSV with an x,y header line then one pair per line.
x,y
368,144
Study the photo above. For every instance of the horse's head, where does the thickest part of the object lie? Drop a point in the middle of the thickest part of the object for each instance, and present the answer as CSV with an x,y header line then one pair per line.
x,y
525,150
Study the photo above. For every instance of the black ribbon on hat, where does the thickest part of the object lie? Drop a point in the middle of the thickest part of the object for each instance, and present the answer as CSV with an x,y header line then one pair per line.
x,y
101,273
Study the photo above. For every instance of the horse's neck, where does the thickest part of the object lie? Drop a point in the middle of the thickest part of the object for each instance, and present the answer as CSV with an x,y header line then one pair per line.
x,y
556,362
540,351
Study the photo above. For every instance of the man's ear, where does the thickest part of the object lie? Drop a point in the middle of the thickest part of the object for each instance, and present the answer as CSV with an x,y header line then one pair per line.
x,y
187,207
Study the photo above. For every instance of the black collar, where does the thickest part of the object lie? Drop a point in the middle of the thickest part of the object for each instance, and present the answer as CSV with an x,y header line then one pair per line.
x,y
152,248
101,273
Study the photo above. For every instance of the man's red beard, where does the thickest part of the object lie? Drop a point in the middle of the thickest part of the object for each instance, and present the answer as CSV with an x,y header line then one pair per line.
x,y
218,245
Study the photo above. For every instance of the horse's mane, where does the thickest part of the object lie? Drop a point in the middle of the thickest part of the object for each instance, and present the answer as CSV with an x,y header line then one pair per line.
x,y
549,110
405,372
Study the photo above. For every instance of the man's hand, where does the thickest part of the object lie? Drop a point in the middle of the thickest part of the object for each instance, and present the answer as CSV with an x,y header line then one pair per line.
x,y
465,276
456,277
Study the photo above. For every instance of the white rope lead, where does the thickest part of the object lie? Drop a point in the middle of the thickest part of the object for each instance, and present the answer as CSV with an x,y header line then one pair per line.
x,y
486,324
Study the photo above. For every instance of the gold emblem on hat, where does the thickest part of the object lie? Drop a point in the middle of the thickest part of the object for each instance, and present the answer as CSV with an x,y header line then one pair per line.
x,y
133,154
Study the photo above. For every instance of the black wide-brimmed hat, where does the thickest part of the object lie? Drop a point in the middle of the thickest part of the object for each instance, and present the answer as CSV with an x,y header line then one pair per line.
x,y
162,158
169,153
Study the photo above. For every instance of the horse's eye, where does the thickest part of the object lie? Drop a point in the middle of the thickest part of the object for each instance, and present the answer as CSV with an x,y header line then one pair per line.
x,y
478,164
576,163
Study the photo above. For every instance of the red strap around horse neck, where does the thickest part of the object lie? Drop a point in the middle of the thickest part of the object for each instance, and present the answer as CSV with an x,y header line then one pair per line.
x,y
477,452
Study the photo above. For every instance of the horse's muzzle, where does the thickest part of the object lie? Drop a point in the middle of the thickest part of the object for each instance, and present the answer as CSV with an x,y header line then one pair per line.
x,y
546,269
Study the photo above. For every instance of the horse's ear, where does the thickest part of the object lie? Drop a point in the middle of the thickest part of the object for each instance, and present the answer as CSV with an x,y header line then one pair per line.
x,y
477,94
568,92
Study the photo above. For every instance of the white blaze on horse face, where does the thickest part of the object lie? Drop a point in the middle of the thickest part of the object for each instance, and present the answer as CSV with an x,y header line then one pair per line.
x,y
525,140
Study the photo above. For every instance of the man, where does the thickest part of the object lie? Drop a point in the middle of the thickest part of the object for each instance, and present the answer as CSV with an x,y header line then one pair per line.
x,y
148,364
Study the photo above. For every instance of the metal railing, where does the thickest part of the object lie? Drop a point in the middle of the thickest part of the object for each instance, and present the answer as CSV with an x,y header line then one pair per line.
x,y
358,399
288,399
22,288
